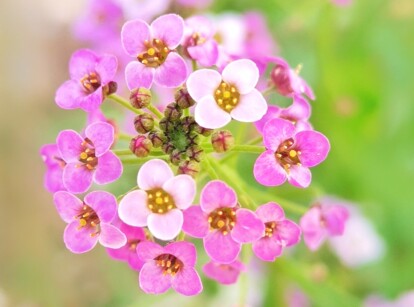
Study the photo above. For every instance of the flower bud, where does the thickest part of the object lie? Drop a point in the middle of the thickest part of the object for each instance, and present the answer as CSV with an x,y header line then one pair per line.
x,y
110,88
222,140
183,98
203,131
195,153
280,76
166,124
157,138
188,123
140,146
173,112
191,168
167,148
177,156
140,97
144,123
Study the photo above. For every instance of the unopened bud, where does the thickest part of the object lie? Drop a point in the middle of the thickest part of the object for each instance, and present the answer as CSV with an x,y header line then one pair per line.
x,y
188,123
140,146
173,111
183,98
195,153
140,97
157,138
191,168
167,148
222,140
177,156
166,124
203,131
280,76
110,88
144,123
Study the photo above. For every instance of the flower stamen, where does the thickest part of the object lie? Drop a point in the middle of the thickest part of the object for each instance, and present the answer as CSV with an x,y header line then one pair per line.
x,y
156,54
159,201
227,97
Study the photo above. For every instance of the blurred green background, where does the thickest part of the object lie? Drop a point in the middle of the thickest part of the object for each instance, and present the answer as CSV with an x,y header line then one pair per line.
x,y
359,60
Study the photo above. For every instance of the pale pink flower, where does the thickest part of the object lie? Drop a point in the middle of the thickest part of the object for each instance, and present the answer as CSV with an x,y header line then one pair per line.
x,y
225,274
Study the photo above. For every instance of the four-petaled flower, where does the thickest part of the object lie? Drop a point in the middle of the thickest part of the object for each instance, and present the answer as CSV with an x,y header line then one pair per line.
x,y
159,201
54,168
289,154
225,274
89,221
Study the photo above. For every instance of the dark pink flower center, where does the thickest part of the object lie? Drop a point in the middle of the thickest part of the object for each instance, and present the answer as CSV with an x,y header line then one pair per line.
x,y
227,97
287,154
87,156
156,54
270,228
59,161
132,244
159,201
195,39
222,219
91,82
169,263
88,218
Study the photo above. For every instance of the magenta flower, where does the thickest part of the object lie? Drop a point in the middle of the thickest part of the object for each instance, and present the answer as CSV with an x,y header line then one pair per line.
x,y
89,74
222,224
88,221
54,168
298,114
322,221
225,274
199,40
229,95
153,47
287,80
88,158
159,201
128,252
279,232
289,154
169,266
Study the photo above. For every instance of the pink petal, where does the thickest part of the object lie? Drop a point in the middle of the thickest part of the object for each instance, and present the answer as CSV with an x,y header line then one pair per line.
x,y
67,205
270,212
267,171
200,24
133,209
251,107
299,176
68,95
287,232
267,249
134,262
120,254
82,63
314,239
217,194
221,248
133,35
147,250
313,232
206,54
203,82
138,75
102,136
106,68
184,251
225,274
53,179
103,203
299,110
314,147
152,280
79,240
272,112
69,144
166,226
109,168
248,228
153,174
92,101
243,73
276,131
209,115
172,73
169,28
111,236
187,282
183,189
77,178
195,222
335,217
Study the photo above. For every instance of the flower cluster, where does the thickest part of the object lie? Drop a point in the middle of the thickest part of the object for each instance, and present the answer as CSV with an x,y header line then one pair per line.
x,y
184,79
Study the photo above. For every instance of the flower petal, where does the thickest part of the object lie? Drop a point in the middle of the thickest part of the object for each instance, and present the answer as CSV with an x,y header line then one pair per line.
x,y
251,107
195,222
67,205
77,178
288,233
313,232
225,274
68,95
270,212
299,110
166,226
184,251
91,102
133,35
169,28
203,82
267,249
79,240
299,176
209,115
248,228
267,171
217,194
183,189
276,131
106,68
335,217
206,54
69,143
172,73
53,179
109,168
138,75
102,136
153,174
187,282
103,203
314,147
111,236
272,112
221,248
243,73
82,63
133,209
152,280
148,250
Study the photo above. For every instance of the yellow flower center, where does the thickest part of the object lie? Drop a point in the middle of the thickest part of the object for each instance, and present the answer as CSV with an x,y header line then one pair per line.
x,y
87,156
169,263
88,218
222,219
91,82
227,97
160,201
156,54
287,155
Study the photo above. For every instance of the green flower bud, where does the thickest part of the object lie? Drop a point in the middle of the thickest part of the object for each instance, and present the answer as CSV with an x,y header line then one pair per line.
x,y
140,146
222,140
173,112
157,138
144,123
191,168
183,98
140,97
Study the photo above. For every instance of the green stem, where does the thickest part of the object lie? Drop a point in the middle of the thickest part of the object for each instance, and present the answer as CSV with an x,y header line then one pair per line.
x,y
122,152
137,161
239,148
194,65
268,90
155,111
124,137
209,169
124,103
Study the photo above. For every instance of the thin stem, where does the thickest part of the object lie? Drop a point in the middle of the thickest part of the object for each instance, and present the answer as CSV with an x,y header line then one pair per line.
x,y
268,90
194,65
124,103
155,111
239,148
137,161
209,169
122,152
125,136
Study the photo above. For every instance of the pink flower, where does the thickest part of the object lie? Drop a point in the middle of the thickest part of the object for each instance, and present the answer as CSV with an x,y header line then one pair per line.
x,y
199,40
88,221
54,168
222,224
144,9
229,95
88,159
279,232
298,114
153,46
159,201
287,80
289,154
225,274
89,74
322,221
169,266
200,4
128,252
